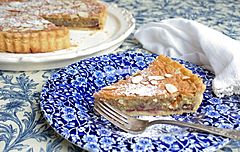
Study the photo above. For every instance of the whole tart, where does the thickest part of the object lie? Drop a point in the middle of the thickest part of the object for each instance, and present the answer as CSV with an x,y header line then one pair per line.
x,y
42,26
24,33
164,88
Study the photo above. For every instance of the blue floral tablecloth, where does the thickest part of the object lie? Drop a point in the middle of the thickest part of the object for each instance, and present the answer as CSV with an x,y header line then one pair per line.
x,y
22,126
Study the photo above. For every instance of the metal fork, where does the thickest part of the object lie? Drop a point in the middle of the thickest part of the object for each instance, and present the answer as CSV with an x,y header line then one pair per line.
x,y
134,125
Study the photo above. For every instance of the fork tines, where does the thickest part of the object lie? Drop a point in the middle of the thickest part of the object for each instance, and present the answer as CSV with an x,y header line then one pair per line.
x,y
113,115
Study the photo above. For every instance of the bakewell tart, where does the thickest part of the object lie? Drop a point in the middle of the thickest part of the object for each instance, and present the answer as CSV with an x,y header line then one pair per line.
x,y
43,26
164,88
23,33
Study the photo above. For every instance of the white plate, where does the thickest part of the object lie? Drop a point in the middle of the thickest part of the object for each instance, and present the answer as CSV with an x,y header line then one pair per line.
x,y
119,25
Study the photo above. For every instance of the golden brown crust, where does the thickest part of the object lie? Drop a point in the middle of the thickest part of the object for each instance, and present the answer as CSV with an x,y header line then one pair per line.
x,y
12,1
35,42
165,87
102,17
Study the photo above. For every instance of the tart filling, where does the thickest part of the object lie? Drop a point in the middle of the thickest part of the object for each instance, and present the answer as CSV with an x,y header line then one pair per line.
x,y
165,87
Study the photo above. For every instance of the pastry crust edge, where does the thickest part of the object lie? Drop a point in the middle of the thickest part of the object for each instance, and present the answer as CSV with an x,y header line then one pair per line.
x,y
34,41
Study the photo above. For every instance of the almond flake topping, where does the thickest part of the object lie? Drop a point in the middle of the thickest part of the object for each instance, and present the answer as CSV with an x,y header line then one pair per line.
x,y
26,25
83,14
153,82
185,77
121,101
17,25
145,82
137,79
110,88
171,88
155,78
168,75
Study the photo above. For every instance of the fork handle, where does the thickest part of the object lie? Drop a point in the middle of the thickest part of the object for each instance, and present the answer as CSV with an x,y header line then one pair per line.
x,y
229,133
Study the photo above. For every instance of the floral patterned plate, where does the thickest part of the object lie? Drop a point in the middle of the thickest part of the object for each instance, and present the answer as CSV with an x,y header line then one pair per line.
x,y
67,103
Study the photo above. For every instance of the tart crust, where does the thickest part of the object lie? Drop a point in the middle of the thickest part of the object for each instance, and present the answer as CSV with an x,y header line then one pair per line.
x,y
12,1
35,42
164,88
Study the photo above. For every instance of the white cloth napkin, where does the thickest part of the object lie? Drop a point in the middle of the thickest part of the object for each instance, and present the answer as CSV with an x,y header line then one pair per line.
x,y
199,44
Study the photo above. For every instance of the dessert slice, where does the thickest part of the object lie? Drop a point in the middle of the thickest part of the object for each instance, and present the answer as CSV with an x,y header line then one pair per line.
x,y
164,88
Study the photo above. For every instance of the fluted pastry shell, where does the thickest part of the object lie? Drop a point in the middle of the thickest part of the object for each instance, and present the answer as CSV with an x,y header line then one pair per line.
x,y
35,41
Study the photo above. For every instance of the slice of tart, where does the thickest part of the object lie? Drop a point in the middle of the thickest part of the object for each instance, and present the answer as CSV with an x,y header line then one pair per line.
x,y
164,88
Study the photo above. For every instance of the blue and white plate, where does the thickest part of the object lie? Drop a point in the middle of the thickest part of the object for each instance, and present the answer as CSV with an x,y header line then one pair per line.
x,y
67,103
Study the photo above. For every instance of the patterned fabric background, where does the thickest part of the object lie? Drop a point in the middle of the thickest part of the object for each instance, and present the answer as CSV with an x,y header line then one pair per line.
x,y
22,126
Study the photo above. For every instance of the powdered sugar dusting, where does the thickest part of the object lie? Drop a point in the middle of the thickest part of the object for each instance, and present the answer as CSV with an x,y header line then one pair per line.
x,y
22,22
142,90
